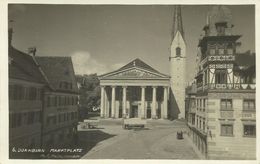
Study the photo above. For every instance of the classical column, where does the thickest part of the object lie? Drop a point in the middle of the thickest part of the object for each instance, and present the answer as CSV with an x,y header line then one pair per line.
x,y
102,109
113,107
106,111
154,103
124,101
165,103
143,102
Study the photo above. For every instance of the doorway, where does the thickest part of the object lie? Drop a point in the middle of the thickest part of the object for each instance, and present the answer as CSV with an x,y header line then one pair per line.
x,y
134,111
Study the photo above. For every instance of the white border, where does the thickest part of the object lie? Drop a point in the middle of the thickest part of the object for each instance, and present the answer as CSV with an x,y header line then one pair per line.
x,y
4,75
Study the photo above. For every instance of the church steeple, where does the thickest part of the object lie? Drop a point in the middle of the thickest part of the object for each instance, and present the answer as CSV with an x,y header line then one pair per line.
x,y
177,22
178,66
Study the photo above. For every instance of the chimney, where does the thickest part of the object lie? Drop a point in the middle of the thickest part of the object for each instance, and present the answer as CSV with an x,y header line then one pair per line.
x,y
32,51
10,36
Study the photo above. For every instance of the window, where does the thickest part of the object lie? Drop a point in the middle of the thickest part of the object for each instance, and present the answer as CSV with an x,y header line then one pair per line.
x,y
60,103
226,104
39,94
59,117
230,49
55,101
19,119
68,116
227,130
48,101
32,93
12,123
220,30
221,51
72,116
221,76
16,92
11,92
178,51
54,119
249,130
249,105
48,120
203,124
72,101
212,51
30,118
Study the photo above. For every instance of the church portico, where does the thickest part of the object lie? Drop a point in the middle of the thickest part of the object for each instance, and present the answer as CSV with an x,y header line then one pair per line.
x,y
134,102
134,91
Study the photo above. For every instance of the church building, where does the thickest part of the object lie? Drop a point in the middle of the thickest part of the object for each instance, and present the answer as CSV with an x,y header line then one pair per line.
x,y
139,91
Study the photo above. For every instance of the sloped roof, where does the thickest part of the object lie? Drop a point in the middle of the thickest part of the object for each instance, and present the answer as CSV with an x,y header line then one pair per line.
x,y
22,66
177,22
140,64
137,63
58,70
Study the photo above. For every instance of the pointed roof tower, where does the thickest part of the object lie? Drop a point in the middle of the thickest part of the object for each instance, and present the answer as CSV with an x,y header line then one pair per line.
x,y
177,22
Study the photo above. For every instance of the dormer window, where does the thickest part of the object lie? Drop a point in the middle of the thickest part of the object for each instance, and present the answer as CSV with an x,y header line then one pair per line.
x,y
220,27
178,51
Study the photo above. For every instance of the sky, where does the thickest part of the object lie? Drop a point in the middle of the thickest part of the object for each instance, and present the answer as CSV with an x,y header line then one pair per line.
x,y
103,38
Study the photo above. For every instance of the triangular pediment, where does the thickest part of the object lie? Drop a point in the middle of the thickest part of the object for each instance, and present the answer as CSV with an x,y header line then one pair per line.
x,y
136,69
133,73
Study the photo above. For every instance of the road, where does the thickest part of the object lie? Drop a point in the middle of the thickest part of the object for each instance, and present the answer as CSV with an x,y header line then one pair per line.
x,y
156,141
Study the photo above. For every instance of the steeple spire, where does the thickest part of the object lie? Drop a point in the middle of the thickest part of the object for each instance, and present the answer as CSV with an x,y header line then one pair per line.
x,y
177,22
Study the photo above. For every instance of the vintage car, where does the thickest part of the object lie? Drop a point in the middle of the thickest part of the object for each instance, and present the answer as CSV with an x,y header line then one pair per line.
x,y
133,123
89,124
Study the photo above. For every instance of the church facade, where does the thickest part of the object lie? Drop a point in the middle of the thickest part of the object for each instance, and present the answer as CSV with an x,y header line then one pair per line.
x,y
134,91
138,90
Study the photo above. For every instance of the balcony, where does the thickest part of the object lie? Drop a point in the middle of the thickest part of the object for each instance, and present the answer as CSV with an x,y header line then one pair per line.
x,y
236,86
221,58
226,114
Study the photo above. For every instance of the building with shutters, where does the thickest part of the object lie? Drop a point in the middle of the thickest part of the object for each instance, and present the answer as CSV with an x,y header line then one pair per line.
x,y
26,87
43,101
60,99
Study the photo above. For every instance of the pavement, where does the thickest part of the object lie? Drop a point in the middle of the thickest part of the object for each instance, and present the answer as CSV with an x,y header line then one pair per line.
x,y
156,141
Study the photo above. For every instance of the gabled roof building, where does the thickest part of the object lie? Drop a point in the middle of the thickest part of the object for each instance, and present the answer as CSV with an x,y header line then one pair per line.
x,y
135,90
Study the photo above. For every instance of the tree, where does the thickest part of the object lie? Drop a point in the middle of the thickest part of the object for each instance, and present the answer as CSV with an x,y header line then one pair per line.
x,y
89,93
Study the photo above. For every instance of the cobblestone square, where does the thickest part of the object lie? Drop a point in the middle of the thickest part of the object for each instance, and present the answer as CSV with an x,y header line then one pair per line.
x,y
156,141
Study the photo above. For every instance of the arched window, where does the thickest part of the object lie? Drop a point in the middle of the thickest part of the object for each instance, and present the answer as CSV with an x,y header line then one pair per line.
x,y
178,51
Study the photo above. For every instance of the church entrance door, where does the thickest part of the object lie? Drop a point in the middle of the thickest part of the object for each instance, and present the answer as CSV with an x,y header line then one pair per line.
x,y
134,111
